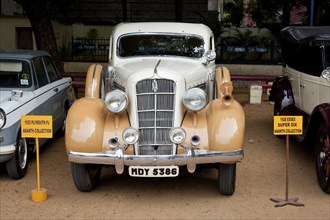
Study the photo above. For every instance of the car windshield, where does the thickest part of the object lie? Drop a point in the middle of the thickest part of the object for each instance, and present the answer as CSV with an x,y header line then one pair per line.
x,y
160,45
14,74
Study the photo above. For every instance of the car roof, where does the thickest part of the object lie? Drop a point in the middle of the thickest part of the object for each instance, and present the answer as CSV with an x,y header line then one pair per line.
x,y
301,46
22,54
162,27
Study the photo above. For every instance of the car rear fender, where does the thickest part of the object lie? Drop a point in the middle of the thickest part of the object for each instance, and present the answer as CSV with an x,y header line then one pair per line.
x,y
281,93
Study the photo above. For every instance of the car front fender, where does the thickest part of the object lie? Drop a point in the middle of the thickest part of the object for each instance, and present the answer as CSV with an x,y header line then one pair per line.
x,y
219,127
226,125
85,125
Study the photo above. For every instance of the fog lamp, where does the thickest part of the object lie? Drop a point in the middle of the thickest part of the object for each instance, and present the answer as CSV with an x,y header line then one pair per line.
x,y
131,135
177,135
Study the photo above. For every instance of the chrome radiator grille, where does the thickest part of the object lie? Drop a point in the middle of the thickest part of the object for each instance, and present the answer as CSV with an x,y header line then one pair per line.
x,y
155,108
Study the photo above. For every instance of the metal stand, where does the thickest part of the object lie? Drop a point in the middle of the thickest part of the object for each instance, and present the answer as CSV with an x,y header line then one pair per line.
x,y
287,201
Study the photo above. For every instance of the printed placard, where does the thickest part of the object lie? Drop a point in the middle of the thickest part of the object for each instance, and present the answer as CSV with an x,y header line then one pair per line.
x,y
288,125
37,126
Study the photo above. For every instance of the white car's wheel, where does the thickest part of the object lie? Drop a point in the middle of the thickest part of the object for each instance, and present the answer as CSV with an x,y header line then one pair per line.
x,y
18,164
227,178
85,176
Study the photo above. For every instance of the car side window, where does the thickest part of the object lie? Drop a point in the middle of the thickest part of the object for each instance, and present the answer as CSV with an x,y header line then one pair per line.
x,y
40,71
51,70
307,59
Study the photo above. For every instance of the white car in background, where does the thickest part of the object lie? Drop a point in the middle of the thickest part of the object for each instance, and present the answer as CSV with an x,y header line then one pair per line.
x,y
304,89
29,85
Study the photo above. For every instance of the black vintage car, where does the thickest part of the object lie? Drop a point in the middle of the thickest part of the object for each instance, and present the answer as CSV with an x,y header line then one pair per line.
x,y
304,89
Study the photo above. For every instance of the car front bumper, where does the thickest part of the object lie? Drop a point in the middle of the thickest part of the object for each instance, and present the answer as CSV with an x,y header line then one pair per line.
x,y
6,152
190,158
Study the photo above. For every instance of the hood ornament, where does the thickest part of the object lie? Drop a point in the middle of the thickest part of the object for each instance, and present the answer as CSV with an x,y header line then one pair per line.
x,y
155,70
154,86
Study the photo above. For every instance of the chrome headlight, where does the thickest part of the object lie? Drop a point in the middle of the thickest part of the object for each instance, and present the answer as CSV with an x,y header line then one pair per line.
x,y
194,99
177,135
326,73
2,118
131,135
116,101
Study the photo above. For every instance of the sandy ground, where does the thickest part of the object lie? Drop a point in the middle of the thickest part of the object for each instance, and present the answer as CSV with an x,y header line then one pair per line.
x,y
260,176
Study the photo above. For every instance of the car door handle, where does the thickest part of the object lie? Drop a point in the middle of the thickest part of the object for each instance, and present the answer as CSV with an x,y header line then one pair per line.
x,y
55,90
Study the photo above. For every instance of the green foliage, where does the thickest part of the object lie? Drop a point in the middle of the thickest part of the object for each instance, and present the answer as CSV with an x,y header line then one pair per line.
x,y
233,13
247,36
267,14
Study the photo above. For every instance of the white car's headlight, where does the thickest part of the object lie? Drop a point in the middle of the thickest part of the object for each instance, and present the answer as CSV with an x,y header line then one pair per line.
x,y
116,101
194,99
2,118
177,135
131,135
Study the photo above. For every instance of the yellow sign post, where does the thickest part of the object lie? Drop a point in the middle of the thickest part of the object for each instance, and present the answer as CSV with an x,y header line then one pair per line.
x,y
37,127
287,125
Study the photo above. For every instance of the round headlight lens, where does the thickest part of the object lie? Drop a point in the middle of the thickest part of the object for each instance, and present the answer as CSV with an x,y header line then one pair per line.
x,y
194,99
177,135
130,135
326,73
116,101
2,118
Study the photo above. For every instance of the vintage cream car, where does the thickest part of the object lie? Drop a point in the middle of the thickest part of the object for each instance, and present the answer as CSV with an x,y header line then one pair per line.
x,y
304,89
161,104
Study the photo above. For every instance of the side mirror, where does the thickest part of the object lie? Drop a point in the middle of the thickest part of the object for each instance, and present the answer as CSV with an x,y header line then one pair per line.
x,y
326,74
210,55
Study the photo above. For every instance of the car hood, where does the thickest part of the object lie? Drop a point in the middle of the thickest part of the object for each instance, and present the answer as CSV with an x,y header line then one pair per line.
x,y
9,102
194,73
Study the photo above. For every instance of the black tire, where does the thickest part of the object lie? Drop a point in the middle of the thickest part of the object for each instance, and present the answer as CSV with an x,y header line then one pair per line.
x,y
322,154
17,166
85,176
227,178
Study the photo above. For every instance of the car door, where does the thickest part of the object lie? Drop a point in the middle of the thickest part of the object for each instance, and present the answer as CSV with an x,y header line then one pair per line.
x,y
324,88
314,88
309,90
294,78
60,87
46,92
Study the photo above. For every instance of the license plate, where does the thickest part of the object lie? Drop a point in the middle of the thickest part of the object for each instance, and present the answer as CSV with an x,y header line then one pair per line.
x,y
153,171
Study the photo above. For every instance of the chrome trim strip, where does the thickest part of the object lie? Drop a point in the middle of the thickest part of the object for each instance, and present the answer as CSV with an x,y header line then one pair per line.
x,y
7,149
190,158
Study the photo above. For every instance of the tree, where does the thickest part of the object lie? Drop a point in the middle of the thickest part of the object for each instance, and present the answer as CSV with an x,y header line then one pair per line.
x,y
274,14
233,13
268,14
37,12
